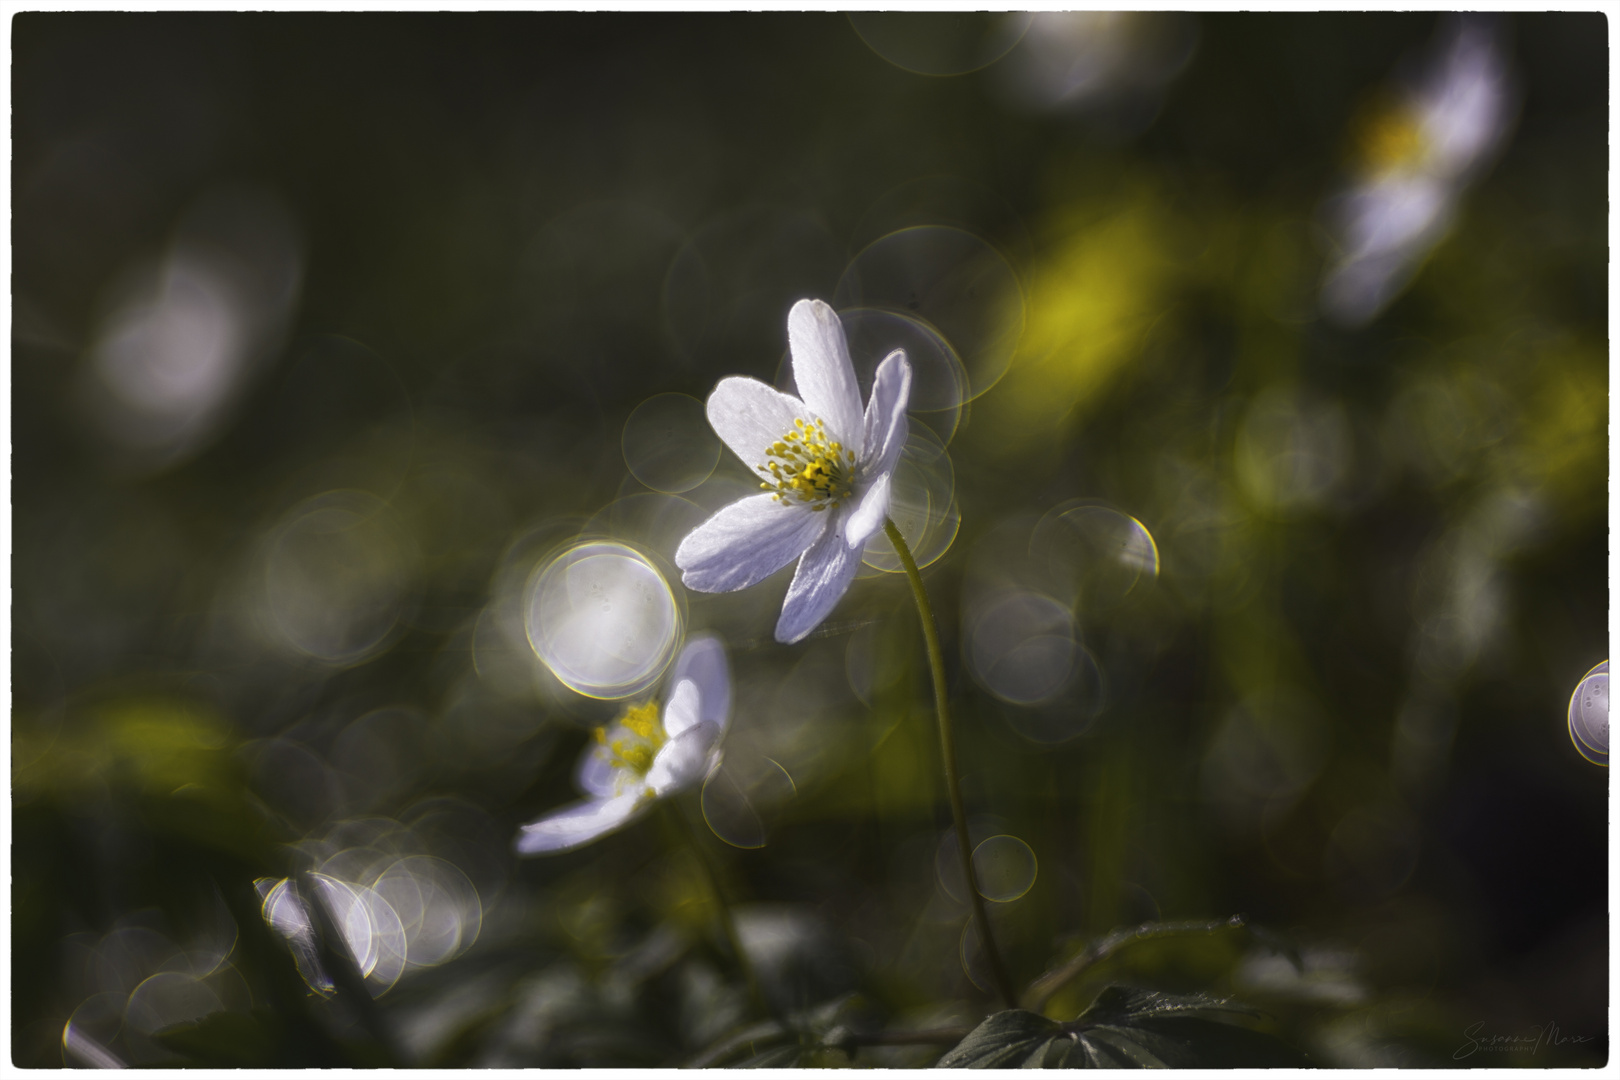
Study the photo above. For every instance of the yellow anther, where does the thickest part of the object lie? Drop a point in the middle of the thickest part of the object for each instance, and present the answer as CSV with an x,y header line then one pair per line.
x,y
812,468
636,740
638,756
641,719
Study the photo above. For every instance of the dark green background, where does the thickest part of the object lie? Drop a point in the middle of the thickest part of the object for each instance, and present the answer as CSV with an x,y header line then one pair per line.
x,y
424,158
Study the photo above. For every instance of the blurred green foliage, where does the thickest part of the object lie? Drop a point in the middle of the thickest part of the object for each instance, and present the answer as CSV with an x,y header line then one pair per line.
x,y
268,616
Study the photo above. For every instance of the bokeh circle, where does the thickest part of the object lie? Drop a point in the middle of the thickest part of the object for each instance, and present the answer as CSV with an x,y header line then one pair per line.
x,y
668,444
603,619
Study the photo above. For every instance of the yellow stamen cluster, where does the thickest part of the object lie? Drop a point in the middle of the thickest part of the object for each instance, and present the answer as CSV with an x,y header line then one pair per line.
x,y
811,468
641,736
1391,138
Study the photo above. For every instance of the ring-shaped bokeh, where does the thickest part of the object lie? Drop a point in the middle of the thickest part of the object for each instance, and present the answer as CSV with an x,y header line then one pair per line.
x,y
668,444
953,282
940,43
1589,715
922,505
1094,556
602,617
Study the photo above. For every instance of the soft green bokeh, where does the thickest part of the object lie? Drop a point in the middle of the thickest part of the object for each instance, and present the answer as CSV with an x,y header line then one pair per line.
x,y
332,332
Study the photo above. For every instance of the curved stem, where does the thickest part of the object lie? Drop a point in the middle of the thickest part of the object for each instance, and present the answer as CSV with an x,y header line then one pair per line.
x,y
1041,990
947,747
727,923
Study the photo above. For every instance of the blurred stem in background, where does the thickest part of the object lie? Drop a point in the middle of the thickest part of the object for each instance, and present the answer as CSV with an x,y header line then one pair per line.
x,y
947,750
728,924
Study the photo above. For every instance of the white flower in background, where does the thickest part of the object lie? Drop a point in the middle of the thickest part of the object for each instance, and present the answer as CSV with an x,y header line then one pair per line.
x,y
1103,61
826,470
180,347
646,754
1417,159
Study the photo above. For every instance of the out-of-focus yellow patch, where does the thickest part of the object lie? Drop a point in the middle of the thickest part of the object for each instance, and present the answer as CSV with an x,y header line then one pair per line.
x,y
1565,444
1389,138
1088,304
171,758
150,747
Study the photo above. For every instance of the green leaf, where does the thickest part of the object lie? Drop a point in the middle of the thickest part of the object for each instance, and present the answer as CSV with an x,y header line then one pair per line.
x,y
1147,1029
1125,1028
1129,1047
1095,1054
1126,1003
1005,1040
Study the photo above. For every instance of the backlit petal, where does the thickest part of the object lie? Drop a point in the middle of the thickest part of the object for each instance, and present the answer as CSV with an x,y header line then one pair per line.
x,y
868,515
824,573
702,666
749,416
684,759
885,423
681,710
822,371
579,824
596,774
747,542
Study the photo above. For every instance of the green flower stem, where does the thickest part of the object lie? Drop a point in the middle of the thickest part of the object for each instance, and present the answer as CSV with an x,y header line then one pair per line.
x,y
727,923
947,747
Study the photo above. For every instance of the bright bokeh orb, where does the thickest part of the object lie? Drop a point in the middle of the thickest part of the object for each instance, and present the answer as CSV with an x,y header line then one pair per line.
x,y
602,617
1589,715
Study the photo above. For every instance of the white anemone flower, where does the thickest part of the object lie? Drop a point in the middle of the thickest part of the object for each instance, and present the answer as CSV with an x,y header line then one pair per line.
x,y
647,754
826,471
1419,158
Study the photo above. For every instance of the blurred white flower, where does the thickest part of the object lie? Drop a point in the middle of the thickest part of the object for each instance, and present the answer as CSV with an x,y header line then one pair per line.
x,y
646,754
1106,62
826,467
1417,159
182,339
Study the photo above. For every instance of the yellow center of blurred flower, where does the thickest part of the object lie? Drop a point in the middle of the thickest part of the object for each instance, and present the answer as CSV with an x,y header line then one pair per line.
x,y
1391,139
811,468
638,739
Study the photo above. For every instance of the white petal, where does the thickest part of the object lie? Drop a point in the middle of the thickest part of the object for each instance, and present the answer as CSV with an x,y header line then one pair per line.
x,y
886,427
824,573
681,710
747,542
822,370
683,760
867,517
749,416
702,664
577,825
596,774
